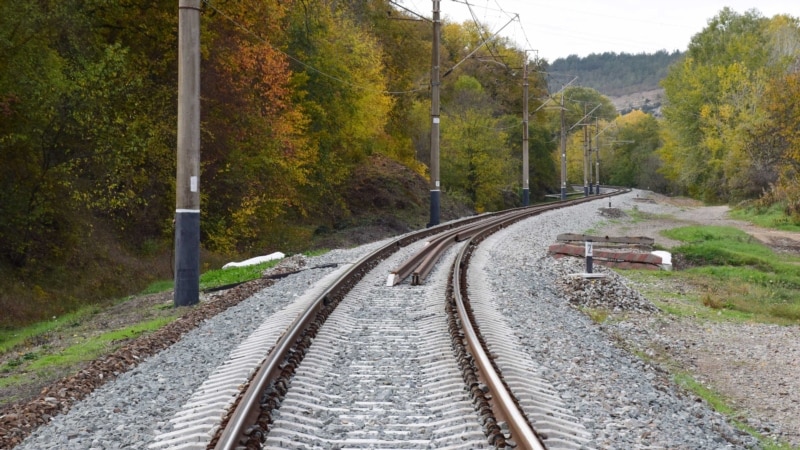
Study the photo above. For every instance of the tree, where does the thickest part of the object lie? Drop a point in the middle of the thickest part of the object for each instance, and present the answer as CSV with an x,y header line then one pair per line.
x,y
715,102
475,163
31,114
342,89
631,158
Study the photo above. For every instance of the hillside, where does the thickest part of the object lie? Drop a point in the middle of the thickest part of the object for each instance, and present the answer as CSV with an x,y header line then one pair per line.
x,y
630,81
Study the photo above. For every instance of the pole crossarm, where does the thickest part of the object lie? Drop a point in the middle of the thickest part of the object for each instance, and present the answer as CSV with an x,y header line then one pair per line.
x,y
550,97
584,117
485,41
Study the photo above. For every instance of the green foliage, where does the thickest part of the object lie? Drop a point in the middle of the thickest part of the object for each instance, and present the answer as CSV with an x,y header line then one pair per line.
x,y
588,116
580,101
472,161
721,145
630,157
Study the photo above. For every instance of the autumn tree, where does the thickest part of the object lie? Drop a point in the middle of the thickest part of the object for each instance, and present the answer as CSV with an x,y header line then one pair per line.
x,y
342,88
716,103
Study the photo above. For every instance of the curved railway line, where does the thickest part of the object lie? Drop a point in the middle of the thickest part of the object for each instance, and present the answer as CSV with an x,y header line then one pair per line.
x,y
432,392
391,365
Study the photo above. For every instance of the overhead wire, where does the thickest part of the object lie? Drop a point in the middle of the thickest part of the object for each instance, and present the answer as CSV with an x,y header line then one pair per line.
x,y
302,63
491,47
409,11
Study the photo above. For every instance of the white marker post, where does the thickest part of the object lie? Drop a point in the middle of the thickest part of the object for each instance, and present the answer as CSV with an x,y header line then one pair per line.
x,y
589,256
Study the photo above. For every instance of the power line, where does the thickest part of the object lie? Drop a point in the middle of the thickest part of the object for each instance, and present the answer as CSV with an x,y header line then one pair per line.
x,y
519,21
480,31
409,11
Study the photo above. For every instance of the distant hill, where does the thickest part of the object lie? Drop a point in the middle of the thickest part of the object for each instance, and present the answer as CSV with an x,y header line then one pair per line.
x,y
631,81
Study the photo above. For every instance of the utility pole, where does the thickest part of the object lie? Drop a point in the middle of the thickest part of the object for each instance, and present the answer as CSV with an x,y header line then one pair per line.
x,y
563,152
586,144
526,193
435,182
187,185
597,156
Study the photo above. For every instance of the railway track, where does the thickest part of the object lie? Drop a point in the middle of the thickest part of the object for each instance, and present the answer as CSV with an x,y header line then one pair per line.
x,y
371,383
381,371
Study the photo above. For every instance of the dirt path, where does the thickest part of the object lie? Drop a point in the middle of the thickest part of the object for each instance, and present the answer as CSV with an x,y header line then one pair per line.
x,y
677,212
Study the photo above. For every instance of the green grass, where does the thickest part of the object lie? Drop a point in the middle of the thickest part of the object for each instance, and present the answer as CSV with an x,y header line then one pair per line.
x,y
217,277
771,217
84,351
735,276
12,338
715,400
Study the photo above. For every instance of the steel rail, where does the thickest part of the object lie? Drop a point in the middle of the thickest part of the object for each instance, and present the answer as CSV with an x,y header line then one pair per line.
x,y
522,433
422,262
432,254
404,270
248,405
502,401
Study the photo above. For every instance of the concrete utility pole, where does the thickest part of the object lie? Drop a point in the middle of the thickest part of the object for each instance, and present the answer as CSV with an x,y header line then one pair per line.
x,y
563,152
586,145
526,192
187,186
435,181
597,156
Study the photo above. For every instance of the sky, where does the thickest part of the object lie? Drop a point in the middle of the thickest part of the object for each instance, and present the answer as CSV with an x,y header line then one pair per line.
x,y
558,28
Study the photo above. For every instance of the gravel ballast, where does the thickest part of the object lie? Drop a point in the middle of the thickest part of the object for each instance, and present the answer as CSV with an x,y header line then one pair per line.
x,y
623,401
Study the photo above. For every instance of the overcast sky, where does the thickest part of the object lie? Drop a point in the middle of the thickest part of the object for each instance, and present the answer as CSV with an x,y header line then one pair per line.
x,y
557,29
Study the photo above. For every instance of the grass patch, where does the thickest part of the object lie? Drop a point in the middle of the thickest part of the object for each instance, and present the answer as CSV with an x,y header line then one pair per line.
x,y
772,217
87,350
599,226
222,277
733,277
316,252
715,400
597,315
217,277
12,338
637,215
158,286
